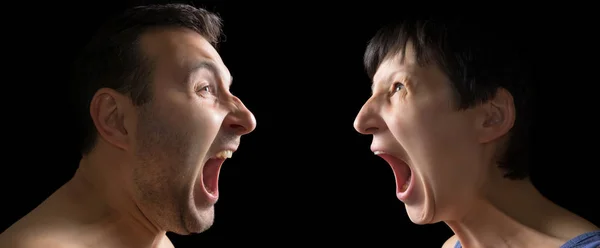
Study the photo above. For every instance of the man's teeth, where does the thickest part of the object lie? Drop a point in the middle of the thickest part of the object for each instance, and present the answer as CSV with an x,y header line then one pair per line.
x,y
225,154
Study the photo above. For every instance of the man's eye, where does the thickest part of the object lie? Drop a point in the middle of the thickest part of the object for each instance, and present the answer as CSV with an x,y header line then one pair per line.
x,y
206,89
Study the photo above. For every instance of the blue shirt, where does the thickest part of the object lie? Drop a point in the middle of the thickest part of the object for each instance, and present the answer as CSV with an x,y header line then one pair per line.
x,y
586,240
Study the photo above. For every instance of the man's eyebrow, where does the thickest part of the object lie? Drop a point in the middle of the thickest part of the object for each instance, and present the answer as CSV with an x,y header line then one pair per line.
x,y
208,65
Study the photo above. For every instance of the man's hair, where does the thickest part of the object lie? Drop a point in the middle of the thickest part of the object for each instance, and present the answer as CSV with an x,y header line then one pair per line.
x,y
478,60
114,58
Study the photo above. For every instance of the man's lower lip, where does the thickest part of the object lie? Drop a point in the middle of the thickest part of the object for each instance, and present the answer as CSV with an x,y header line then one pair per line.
x,y
210,178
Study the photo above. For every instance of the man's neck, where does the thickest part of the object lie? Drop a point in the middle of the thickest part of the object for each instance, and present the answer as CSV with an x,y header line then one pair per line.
x,y
97,198
511,217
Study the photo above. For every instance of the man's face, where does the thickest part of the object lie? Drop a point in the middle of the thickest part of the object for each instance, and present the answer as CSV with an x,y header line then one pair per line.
x,y
191,120
433,148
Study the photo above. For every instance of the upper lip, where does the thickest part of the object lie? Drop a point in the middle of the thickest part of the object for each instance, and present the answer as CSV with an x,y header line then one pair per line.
x,y
380,150
376,150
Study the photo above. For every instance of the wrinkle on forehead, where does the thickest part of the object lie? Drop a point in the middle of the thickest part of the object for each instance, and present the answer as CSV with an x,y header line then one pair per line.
x,y
179,49
397,62
391,69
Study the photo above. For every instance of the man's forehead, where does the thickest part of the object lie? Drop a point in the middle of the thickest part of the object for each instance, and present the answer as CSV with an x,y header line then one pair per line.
x,y
185,49
198,53
178,43
215,67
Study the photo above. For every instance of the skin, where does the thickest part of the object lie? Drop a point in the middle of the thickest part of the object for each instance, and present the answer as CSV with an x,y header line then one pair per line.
x,y
451,153
144,177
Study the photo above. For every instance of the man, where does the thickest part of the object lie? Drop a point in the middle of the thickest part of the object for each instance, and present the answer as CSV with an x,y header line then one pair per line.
x,y
449,112
161,122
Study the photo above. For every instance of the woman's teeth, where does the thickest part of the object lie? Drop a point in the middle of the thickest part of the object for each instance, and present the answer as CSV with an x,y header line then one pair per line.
x,y
406,184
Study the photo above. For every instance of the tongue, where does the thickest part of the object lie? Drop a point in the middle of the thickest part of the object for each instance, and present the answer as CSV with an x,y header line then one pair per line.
x,y
401,171
210,175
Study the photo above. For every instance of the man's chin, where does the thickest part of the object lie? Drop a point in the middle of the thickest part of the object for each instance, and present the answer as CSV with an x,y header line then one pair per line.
x,y
200,220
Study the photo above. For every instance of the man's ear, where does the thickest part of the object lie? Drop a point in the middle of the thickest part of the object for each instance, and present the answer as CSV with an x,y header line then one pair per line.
x,y
108,110
497,116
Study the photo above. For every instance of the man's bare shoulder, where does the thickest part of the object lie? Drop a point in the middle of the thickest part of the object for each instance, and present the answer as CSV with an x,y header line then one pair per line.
x,y
29,237
34,243
451,242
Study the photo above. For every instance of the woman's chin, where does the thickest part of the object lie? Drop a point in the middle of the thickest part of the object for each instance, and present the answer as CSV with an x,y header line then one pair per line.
x,y
420,214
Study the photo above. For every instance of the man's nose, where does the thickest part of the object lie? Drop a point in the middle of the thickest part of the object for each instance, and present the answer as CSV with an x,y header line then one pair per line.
x,y
240,119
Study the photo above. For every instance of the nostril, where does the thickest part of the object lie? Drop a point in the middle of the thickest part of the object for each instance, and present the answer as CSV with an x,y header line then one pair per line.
x,y
371,130
237,127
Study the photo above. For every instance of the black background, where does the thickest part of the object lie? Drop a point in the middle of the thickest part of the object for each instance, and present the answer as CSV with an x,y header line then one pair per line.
x,y
304,175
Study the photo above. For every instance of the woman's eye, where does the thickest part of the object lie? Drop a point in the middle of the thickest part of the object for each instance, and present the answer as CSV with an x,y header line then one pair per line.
x,y
397,87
